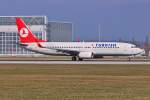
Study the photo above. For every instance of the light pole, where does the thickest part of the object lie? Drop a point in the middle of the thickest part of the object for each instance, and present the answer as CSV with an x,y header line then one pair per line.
x,y
99,32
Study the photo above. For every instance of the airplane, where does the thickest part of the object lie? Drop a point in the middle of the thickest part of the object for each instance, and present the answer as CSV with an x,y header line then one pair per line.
x,y
78,50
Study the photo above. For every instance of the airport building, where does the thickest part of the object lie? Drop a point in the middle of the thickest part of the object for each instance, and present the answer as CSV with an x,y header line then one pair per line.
x,y
59,32
39,25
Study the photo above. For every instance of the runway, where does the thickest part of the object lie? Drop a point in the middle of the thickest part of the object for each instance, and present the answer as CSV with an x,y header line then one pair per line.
x,y
74,62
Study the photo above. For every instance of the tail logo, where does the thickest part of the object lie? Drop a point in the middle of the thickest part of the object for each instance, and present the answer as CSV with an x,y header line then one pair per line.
x,y
24,32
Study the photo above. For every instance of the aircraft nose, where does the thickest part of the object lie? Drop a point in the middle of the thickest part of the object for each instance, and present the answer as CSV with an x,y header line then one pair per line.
x,y
141,51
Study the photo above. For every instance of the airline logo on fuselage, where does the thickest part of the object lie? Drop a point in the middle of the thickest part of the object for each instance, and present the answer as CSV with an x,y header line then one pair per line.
x,y
106,45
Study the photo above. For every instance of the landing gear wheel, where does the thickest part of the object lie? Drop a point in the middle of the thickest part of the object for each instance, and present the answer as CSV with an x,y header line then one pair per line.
x,y
129,58
80,59
74,58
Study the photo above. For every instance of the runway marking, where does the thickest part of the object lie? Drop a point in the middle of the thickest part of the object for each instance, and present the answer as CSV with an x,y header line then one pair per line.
x,y
72,62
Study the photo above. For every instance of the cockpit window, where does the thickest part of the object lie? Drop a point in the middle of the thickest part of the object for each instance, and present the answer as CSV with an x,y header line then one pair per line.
x,y
134,46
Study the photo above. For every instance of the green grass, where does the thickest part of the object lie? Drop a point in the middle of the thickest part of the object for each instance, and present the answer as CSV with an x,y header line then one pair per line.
x,y
74,82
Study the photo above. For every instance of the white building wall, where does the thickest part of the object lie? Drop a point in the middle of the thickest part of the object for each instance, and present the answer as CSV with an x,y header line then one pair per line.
x,y
13,28
34,28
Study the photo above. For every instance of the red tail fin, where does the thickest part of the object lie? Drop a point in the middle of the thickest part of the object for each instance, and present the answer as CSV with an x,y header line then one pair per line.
x,y
25,34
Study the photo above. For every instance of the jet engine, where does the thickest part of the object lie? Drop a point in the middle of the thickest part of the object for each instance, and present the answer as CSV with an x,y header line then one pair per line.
x,y
86,55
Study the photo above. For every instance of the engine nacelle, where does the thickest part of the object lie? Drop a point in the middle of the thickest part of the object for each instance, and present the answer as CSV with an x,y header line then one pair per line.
x,y
87,55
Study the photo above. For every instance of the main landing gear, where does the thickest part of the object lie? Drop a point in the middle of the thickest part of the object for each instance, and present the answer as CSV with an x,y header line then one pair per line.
x,y
80,59
74,58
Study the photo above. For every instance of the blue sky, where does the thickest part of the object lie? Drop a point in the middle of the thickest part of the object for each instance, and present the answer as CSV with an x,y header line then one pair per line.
x,y
118,18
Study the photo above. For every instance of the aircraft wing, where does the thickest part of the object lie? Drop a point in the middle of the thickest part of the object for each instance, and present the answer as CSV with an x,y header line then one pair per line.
x,y
70,52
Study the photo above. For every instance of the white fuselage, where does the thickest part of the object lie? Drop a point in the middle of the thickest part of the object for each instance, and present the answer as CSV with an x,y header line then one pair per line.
x,y
97,48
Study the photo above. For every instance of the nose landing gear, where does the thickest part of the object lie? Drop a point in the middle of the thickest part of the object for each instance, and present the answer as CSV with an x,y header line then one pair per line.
x,y
130,57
